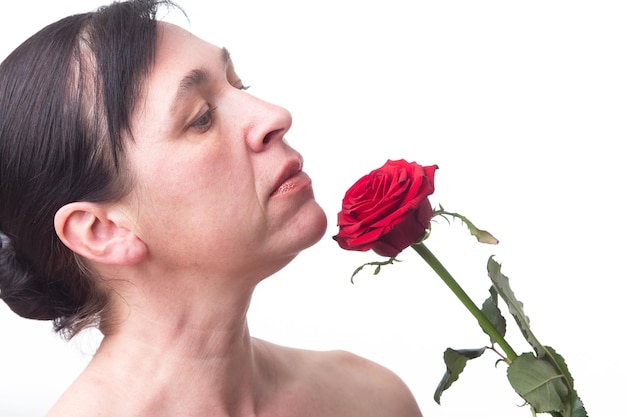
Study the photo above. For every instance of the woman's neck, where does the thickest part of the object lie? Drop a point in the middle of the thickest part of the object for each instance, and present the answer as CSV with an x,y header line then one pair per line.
x,y
197,355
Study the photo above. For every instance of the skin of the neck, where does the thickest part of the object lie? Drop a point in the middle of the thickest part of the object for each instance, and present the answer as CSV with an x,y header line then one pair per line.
x,y
185,345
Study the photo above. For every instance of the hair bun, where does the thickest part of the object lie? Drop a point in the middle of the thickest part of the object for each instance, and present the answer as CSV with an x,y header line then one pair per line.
x,y
20,290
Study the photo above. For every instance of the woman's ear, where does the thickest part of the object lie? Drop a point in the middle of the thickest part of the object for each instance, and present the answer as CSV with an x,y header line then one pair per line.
x,y
89,229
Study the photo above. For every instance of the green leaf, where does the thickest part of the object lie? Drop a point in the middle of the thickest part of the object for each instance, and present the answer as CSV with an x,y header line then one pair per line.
x,y
516,308
492,312
377,264
574,406
455,361
538,382
482,236
559,363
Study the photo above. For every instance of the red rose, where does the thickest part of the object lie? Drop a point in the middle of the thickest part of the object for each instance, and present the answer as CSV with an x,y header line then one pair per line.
x,y
388,209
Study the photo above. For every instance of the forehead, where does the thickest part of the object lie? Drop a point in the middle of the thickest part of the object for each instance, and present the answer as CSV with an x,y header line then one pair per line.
x,y
177,48
179,55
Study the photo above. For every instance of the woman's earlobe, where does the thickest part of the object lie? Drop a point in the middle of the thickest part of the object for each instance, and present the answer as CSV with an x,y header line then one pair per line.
x,y
88,229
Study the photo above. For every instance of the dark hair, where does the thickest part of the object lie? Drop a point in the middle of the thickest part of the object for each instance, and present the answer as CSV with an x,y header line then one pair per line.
x,y
66,97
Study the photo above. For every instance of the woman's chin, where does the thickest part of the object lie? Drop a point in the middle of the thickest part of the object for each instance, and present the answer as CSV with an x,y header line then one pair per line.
x,y
308,229
318,224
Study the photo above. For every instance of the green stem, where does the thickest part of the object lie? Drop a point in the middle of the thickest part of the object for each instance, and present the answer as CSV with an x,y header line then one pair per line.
x,y
485,324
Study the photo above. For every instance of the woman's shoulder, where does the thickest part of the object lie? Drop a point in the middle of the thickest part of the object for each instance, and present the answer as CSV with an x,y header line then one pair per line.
x,y
85,397
370,383
347,384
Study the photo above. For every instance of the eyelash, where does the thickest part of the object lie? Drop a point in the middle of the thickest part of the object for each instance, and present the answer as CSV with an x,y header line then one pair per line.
x,y
203,125
205,121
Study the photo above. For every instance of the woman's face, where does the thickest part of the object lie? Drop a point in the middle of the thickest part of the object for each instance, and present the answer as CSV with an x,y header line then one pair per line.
x,y
217,188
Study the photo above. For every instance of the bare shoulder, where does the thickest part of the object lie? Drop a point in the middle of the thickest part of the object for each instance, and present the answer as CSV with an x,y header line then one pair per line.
x,y
85,397
372,384
350,385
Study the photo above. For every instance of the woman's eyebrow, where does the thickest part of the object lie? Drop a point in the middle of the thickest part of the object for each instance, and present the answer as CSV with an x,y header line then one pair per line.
x,y
194,79
190,82
225,55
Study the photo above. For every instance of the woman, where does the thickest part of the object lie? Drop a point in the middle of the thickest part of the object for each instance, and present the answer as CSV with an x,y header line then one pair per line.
x,y
146,193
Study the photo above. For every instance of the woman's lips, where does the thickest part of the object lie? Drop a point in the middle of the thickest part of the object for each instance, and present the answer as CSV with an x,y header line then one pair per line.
x,y
293,183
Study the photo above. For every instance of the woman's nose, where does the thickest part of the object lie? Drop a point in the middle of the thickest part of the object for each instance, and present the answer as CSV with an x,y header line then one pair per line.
x,y
264,122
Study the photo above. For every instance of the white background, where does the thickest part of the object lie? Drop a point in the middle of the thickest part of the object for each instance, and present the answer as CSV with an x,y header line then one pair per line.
x,y
521,104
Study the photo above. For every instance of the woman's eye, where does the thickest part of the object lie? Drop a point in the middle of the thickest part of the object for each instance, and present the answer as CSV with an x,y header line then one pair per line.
x,y
204,122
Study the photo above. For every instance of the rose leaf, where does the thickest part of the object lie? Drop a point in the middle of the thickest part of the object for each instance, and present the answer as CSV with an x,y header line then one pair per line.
x,y
377,264
482,236
574,406
455,361
502,285
492,312
538,382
